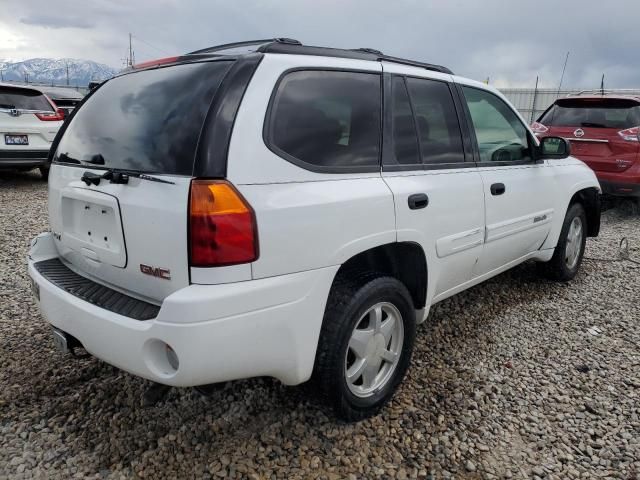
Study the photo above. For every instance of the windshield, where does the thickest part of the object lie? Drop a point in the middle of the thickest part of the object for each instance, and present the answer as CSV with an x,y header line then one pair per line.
x,y
23,99
146,121
595,113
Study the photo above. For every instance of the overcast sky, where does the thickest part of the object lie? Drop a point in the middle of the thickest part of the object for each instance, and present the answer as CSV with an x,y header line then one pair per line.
x,y
509,41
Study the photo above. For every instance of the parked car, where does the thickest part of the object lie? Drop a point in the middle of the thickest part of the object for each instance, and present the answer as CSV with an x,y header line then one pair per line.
x,y
66,99
604,131
29,122
293,212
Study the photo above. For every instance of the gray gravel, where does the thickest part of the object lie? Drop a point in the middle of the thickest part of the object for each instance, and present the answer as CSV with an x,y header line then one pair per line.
x,y
506,382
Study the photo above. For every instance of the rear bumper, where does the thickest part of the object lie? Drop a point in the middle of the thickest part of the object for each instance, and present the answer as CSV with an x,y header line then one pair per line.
x,y
620,188
267,327
23,158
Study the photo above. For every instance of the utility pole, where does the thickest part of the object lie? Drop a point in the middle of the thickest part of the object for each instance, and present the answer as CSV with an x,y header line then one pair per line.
x,y
602,85
562,76
533,105
67,63
130,62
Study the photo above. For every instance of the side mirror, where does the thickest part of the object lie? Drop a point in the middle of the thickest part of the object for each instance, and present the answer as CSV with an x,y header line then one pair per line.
x,y
553,147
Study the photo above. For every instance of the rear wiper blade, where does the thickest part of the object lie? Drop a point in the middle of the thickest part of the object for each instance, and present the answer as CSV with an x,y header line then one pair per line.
x,y
144,176
64,158
592,125
119,177
7,106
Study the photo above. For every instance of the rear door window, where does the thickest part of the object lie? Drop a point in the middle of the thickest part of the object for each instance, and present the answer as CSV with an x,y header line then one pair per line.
x,y
594,113
405,138
23,99
146,121
436,121
327,121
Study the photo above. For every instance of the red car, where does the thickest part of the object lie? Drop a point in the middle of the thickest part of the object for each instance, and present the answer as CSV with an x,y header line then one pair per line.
x,y
604,132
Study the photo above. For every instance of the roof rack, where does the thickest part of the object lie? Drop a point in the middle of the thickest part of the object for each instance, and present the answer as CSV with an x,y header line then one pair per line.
x,y
605,91
248,43
295,47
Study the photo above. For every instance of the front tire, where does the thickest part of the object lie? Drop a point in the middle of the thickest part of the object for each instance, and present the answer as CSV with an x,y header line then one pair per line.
x,y
365,344
567,257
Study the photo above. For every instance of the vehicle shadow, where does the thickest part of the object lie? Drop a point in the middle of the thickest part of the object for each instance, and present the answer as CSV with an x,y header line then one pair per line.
x,y
16,179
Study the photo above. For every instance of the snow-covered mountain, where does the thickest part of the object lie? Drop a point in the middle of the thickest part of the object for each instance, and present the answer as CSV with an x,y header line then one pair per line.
x,y
49,70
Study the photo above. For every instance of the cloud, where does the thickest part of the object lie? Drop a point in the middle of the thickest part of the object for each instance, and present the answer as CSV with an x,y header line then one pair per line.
x,y
511,42
55,21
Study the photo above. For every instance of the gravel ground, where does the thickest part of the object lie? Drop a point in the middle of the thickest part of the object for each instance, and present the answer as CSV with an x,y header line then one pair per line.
x,y
506,382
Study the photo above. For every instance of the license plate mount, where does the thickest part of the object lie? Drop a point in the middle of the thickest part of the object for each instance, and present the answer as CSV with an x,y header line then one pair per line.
x,y
16,139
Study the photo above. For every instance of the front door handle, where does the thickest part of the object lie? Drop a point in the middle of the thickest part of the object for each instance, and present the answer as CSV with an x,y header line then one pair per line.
x,y
498,189
418,200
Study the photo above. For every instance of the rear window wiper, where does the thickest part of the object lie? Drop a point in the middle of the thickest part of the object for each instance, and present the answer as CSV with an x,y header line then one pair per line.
x,y
119,177
592,125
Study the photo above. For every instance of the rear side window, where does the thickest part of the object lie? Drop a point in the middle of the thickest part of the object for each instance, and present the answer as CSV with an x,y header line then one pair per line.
x,y
23,99
437,122
595,113
327,120
147,121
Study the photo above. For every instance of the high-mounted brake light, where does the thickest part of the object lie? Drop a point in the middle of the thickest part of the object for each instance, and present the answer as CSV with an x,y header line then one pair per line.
x,y
630,134
538,128
155,63
51,116
222,225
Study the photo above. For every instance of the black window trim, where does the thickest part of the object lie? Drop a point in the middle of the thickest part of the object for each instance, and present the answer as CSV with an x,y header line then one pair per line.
x,y
467,146
268,123
472,132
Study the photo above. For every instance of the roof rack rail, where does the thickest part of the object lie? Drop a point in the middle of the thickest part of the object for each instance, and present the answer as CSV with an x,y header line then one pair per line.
x,y
295,47
248,43
604,91
368,50
358,53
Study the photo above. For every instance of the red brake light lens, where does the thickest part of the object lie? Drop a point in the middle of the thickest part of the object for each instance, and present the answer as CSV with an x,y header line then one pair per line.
x,y
155,63
222,225
51,117
538,128
630,134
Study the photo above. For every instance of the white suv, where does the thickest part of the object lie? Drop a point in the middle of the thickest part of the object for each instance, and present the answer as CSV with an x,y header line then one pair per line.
x,y
292,212
29,121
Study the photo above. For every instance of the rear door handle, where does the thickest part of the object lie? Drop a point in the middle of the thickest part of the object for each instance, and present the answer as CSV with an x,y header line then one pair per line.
x,y
418,200
498,189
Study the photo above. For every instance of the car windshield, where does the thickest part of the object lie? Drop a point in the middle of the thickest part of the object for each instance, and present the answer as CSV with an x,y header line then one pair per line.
x,y
147,121
594,113
23,99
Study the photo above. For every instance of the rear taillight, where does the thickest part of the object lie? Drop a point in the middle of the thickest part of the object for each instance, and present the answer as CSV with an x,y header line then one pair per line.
x,y
538,128
53,116
222,225
630,134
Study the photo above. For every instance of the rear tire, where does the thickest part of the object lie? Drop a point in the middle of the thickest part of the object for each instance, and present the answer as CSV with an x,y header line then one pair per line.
x,y
365,344
567,257
44,172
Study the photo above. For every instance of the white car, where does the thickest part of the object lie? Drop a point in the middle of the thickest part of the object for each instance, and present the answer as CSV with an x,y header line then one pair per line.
x,y
293,212
29,122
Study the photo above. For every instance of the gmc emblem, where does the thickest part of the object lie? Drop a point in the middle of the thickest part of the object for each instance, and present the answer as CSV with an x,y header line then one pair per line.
x,y
163,273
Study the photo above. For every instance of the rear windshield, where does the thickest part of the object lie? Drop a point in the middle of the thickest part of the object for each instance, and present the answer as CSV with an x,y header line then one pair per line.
x,y
147,121
595,113
23,99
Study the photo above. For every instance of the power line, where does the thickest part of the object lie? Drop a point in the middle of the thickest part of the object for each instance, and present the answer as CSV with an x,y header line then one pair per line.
x,y
150,45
